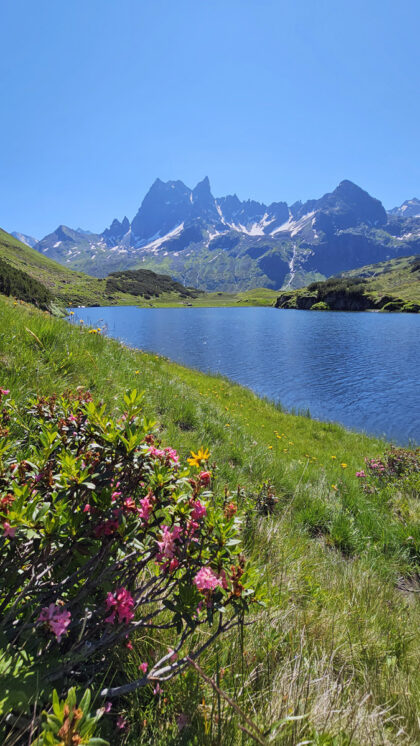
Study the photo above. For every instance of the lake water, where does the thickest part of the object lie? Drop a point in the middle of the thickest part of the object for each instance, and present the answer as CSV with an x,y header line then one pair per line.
x,y
359,369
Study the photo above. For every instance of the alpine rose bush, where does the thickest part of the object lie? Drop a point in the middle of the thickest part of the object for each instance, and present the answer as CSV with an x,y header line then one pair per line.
x,y
105,533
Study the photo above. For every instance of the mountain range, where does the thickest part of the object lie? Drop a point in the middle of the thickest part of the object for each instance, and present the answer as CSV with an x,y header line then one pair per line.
x,y
226,244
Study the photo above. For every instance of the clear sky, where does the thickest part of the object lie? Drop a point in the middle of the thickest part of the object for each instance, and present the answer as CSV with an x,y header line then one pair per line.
x,y
272,99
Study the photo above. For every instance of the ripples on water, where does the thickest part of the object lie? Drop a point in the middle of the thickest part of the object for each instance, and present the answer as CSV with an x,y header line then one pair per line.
x,y
359,369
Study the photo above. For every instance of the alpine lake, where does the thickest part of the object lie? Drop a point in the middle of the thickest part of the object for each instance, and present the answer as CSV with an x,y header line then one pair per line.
x,y
361,370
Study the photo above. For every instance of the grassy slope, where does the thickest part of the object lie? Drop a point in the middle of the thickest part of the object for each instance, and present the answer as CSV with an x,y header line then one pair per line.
x,y
391,278
336,642
76,288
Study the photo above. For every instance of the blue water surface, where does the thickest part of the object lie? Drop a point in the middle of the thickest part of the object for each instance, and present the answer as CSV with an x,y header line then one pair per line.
x,y
359,369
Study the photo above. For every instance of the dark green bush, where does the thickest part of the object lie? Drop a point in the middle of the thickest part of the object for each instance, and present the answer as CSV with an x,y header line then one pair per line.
x,y
147,283
20,285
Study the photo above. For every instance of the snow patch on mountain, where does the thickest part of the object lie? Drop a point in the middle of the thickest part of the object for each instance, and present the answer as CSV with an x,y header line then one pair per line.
x,y
154,245
295,226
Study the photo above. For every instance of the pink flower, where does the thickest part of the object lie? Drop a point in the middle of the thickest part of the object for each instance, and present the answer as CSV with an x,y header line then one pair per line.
x,y
87,508
107,706
115,495
360,474
207,580
146,508
172,455
4,392
199,510
143,666
8,530
107,528
129,505
156,452
121,722
121,602
57,618
167,547
173,565
205,478
157,690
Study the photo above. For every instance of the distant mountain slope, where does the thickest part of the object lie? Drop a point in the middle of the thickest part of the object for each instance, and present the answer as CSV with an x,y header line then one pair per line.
x,y
53,281
228,244
29,240
409,209
390,286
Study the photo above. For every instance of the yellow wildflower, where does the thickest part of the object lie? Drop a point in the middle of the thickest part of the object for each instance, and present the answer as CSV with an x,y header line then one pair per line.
x,y
334,487
196,458
343,466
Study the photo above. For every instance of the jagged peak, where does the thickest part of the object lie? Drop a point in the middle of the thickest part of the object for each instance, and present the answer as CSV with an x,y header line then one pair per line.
x,y
202,188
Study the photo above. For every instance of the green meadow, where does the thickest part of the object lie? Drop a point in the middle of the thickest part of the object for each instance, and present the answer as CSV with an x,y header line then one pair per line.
x,y
330,656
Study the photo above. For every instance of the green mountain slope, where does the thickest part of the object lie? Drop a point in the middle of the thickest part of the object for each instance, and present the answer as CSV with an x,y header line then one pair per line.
x,y
388,286
400,277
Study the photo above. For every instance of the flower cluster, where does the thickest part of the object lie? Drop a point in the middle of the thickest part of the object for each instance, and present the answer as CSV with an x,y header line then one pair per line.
x,y
121,602
57,619
207,580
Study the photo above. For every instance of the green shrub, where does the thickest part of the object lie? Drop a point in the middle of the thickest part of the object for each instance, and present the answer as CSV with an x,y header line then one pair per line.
x,y
104,535
321,306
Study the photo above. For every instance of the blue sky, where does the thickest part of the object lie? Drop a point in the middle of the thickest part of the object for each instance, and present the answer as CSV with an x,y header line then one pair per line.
x,y
273,100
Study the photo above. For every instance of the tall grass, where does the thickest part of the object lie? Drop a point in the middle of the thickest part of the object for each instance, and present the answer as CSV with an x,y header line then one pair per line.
x,y
332,656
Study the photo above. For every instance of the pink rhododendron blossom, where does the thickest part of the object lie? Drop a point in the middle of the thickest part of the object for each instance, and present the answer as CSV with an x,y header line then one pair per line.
x,y
156,452
173,565
192,527
121,602
8,530
143,666
199,510
205,477
107,528
207,580
57,618
129,505
146,508
167,547
171,455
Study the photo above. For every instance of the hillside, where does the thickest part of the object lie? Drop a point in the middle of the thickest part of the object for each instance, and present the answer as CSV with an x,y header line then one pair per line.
x,y
387,286
134,287
227,244
332,655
